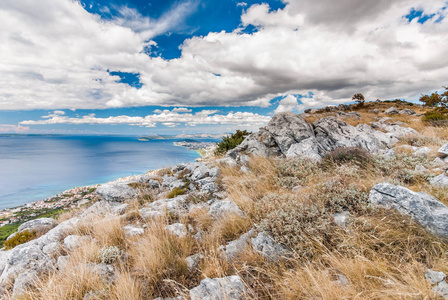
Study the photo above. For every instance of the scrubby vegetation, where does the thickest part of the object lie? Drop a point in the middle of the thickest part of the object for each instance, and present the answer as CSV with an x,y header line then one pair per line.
x,y
374,254
19,238
231,141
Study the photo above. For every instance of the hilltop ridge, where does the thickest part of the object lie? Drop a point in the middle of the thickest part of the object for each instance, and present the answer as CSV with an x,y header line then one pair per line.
x,y
336,203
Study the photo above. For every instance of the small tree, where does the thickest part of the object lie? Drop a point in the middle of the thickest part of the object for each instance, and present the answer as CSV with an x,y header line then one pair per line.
x,y
358,97
230,142
436,100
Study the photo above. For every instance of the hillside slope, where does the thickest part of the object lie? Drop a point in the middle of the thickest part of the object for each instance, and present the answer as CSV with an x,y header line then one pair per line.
x,y
337,203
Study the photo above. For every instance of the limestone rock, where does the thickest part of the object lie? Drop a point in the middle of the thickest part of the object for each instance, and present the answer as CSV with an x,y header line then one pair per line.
x,y
341,218
434,277
440,181
177,229
260,143
270,249
352,114
234,248
62,262
407,111
423,151
99,208
307,148
393,128
149,214
30,256
444,150
391,111
176,205
51,248
332,133
120,209
130,230
193,261
288,128
116,192
23,282
41,225
221,208
72,242
227,288
423,208
441,289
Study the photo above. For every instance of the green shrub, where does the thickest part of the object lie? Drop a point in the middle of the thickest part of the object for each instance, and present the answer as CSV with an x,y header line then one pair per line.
x,y
341,155
437,117
436,100
303,227
19,238
229,142
293,172
177,191
109,254
337,195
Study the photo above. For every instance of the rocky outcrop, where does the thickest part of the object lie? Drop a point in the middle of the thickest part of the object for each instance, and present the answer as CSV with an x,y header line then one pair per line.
x,y
391,111
262,243
289,135
116,192
394,128
423,208
31,257
41,225
231,287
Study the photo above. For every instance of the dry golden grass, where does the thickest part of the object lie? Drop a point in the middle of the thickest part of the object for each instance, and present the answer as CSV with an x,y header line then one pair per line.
x,y
383,255
160,256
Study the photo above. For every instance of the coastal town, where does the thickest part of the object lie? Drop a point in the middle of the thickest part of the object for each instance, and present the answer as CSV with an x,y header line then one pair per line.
x,y
51,206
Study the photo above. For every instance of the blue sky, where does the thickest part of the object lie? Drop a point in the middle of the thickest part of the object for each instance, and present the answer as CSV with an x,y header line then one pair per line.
x,y
190,66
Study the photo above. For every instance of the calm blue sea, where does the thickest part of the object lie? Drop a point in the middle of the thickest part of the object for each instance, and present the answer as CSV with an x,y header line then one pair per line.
x,y
37,167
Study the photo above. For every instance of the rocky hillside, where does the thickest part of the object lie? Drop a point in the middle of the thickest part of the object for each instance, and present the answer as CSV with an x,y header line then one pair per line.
x,y
331,204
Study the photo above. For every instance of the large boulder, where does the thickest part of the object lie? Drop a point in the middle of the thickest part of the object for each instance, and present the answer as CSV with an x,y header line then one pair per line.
x,y
260,143
332,133
407,111
220,209
41,225
288,128
423,208
116,192
176,205
31,256
227,288
391,111
398,131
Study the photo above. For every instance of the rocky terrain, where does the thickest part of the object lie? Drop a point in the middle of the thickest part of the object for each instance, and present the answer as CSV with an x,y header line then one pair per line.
x,y
287,214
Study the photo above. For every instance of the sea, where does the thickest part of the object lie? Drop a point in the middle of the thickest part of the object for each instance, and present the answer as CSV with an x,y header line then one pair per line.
x,y
35,167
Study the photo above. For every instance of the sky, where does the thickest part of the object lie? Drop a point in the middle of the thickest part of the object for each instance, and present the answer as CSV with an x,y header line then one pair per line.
x,y
212,66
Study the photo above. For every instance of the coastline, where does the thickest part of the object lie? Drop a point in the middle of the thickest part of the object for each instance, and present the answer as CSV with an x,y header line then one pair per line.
x,y
53,206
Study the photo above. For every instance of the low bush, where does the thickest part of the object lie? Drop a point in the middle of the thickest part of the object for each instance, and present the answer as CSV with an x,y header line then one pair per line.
x,y
19,238
292,172
109,255
303,227
341,155
229,142
437,117
337,195
177,191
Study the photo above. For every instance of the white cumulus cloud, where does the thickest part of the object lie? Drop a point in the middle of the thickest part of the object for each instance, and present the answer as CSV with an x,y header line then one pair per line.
x,y
55,55
165,117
